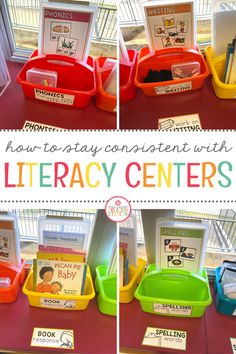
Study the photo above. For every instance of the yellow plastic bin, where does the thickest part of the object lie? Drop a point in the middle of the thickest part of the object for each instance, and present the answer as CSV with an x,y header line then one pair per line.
x,y
135,276
59,302
217,66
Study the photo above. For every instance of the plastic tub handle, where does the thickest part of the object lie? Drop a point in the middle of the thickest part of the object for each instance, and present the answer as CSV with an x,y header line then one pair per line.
x,y
61,58
170,51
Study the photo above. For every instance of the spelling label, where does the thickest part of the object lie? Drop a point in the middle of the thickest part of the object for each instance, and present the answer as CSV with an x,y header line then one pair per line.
x,y
53,338
164,90
172,309
54,97
57,303
165,338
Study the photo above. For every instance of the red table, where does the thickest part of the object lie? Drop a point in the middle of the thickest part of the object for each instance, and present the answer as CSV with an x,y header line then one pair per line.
x,y
93,331
15,109
144,111
208,334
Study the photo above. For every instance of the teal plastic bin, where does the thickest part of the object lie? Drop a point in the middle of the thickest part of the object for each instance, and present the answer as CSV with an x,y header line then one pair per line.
x,y
106,286
174,292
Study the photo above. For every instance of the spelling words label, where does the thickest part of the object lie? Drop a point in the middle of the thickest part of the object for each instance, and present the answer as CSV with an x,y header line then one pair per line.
x,y
172,309
165,338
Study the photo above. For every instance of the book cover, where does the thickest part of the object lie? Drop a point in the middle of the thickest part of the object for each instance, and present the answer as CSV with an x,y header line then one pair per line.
x,y
9,240
169,24
60,278
229,61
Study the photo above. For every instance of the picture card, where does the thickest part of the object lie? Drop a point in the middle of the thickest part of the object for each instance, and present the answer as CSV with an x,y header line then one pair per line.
x,y
169,24
66,29
52,338
189,122
165,338
181,244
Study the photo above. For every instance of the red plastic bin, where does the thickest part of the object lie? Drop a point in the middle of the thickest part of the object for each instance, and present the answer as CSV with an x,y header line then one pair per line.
x,y
17,276
127,74
104,100
162,60
76,80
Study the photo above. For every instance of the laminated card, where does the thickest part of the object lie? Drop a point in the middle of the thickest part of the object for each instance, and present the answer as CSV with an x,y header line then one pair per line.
x,y
169,24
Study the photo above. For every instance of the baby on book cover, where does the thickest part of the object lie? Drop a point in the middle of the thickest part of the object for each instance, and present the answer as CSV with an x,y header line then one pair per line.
x,y
61,278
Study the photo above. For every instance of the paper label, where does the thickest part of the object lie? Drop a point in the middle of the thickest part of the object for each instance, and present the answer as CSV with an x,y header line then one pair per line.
x,y
39,127
190,122
54,97
57,303
233,344
172,309
53,338
234,313
165,338
164,90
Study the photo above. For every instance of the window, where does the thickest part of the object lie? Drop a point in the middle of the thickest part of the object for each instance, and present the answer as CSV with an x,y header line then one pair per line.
x,y
21,24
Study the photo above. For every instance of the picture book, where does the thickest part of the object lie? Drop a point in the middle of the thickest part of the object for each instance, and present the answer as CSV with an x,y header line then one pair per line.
x,y
169,24
229,61
9,240
57,249
57,277
66,29
128,236
124,264
181,244
63,257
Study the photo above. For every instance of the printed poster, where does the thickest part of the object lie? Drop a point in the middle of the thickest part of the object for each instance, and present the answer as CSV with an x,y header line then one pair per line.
x,y
181,248
170,25
66,30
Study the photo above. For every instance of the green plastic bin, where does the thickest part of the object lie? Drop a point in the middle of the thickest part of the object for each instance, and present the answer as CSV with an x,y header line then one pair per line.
x,y
106,286
174,292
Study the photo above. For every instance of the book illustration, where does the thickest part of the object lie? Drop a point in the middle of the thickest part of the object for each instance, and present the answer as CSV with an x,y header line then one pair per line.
x,y
172,245
159,31
182,26
188,253
67,46
168,21
174,262
58,278
59,29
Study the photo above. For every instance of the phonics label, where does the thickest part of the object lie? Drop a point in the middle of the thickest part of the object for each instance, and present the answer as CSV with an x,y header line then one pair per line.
x,y
172,309
165,338
164,90
54,97
57,303
53,338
